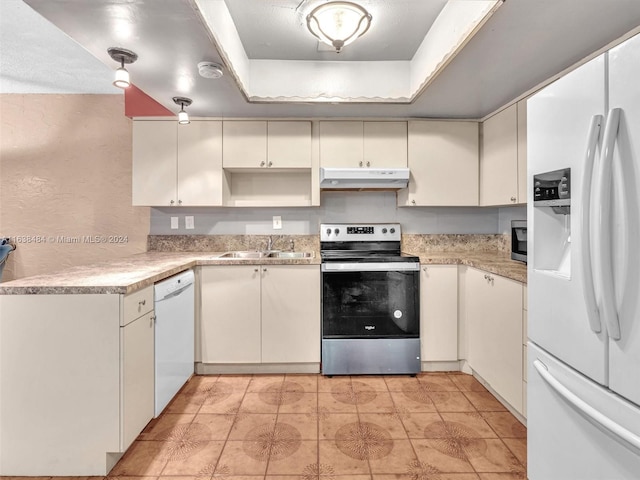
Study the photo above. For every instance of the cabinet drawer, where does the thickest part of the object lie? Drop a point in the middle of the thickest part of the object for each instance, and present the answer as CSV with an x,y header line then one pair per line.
x,y
137,304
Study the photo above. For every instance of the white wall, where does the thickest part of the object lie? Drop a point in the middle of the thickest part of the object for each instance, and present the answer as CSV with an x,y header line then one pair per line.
x,y
337,207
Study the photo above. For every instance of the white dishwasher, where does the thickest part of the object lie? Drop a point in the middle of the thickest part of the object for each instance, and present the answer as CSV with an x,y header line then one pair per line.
x,y
174,336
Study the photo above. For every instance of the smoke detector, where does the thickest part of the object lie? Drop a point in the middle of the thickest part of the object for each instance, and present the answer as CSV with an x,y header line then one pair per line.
x,y
210,70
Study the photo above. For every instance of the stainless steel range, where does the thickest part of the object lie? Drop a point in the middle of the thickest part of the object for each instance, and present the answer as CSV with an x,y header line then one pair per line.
x,y
370,301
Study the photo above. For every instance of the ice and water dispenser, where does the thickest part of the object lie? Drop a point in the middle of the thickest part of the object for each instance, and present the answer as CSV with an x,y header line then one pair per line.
x,y
552,217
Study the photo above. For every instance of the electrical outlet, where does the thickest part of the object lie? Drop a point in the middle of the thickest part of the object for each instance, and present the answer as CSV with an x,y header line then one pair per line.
x,y
174,223
277,222
189,223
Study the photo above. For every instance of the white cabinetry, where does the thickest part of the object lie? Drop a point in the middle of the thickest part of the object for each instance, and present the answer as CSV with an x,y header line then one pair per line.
x,y
363,144
260,314
77,381
493,306
503,161
443,158
439,313
177,164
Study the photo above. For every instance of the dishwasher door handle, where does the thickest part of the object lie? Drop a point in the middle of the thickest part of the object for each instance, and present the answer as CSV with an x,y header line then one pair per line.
x,y
174,294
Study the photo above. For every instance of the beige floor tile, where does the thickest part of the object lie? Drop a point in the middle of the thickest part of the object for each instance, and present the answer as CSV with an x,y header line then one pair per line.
x,y
238,458
217,425
307,426
416,422
255,403
495,458
503,476
327,384
399,460
381,402
390,423
436,454
260,382
401,383
505,424
250,422
197,382
473,420
238,383
414,403
374,382
143,458
308,382
451,402
485,402
437,382
303,403
185,402
193,458
330,424
518,447
222,405
466,382
294,461
338,462
166,425
328,401
426,473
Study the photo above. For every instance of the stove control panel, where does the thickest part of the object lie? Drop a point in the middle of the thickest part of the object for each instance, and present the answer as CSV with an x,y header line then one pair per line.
x,y
370,232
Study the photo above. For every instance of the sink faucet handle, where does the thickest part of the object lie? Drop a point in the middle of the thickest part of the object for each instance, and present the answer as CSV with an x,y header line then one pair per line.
x,y
292,244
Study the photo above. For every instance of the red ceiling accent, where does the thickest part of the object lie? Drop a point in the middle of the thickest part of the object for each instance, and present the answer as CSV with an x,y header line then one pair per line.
x,y
139,104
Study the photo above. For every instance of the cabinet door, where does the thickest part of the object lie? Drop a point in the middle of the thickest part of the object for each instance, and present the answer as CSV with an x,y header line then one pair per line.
x,y
137,373
230,314
499,162
494,319
155,147
200,163
439,313
444,163
522,151
244,144
289,144
385,144
341,144
291,313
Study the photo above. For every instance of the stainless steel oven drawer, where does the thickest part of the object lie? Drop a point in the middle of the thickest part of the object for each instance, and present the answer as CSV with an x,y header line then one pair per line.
x,y
370,356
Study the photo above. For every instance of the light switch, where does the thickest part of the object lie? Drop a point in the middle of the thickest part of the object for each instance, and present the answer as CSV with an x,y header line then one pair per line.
x,y
277,222
189,223
174,223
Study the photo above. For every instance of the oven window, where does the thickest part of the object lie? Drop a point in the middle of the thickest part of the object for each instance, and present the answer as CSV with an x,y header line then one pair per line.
x,y
370,304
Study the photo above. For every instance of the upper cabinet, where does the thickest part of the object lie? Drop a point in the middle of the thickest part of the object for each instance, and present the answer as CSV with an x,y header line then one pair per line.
x,y
443,158
353,144
503,161
177,164
266,144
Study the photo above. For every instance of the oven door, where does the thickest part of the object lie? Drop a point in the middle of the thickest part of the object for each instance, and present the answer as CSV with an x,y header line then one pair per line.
x,y
370,300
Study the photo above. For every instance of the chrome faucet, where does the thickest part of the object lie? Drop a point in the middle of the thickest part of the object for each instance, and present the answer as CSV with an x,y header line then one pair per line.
x,y
269,243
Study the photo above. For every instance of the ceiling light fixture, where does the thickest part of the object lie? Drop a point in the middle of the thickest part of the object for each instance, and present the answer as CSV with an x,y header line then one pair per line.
x,y
183,117
338,23
210,70
123,56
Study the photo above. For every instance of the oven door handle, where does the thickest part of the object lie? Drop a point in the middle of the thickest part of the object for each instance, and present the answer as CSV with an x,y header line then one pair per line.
x,y
371,267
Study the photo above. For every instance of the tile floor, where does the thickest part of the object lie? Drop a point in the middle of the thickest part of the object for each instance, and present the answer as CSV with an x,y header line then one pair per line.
x,y
442,426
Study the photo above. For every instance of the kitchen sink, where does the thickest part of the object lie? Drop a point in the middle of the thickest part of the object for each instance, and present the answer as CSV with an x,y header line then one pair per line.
x,y
252,255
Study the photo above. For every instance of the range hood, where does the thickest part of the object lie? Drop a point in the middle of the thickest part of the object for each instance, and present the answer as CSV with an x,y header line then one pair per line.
x,y
364,178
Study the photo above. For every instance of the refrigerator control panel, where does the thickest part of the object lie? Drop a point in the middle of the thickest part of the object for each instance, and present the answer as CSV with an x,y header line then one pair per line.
x,y
552,188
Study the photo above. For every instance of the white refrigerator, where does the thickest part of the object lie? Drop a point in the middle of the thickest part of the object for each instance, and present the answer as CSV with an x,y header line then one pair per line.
x,y
583,399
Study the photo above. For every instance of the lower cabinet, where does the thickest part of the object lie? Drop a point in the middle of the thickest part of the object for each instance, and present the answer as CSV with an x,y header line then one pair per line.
x,y
439,313
260,314
493,306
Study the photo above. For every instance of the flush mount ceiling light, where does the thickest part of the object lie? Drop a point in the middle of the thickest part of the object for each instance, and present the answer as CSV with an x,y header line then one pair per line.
x,y
123,56
183,117
338,23
210,70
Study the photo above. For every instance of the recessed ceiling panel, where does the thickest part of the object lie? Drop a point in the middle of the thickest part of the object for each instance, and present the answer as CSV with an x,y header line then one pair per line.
x,y
277,29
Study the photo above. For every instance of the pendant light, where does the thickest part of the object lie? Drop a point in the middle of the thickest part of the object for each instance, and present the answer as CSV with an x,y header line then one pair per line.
x,y
338,23
123,56
183,117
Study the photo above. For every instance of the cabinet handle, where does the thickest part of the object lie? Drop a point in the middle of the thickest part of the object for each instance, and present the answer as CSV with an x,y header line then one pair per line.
x,y
256,270
142,302
264,269
171,202
513,199
424,269
368,164
262,164
360,164
179,202
413,202
152,320
269,164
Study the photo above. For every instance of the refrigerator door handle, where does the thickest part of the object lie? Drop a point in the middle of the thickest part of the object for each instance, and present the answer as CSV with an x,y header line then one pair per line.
x,y
585,409
589,289
603,260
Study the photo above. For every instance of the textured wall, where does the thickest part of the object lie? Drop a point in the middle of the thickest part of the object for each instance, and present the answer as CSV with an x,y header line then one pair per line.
x,y
65,182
